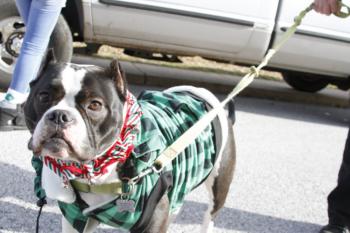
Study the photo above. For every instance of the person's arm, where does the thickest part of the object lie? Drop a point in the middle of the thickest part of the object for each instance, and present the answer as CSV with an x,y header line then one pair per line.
x,y
326,7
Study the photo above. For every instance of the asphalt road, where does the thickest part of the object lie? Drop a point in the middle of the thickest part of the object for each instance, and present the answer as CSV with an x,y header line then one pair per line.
x,y
288,160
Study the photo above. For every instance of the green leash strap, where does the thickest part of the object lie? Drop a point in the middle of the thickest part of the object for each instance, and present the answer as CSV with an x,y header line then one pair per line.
x,y
110,188
123,188
186,138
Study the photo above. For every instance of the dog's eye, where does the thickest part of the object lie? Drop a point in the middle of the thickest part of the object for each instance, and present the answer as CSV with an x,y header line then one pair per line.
x,y
44,97
95,105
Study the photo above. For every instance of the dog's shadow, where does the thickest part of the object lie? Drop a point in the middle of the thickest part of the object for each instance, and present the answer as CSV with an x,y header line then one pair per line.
x,y
18,211
243,221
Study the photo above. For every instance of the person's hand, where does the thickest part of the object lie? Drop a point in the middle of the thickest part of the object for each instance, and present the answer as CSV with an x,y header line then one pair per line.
x,y
327,7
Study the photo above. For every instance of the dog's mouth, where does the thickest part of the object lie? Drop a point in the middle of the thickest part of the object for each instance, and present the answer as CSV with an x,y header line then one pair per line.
x,y
57,146
57,143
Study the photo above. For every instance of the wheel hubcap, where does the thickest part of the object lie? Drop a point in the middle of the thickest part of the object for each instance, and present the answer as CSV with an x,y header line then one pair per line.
x,y
11,33
14,43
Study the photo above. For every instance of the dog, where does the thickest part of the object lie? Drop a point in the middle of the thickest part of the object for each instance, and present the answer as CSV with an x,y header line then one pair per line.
x,y
91,138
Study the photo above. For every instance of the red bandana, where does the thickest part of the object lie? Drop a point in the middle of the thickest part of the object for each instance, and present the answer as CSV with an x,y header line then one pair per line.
x,y
118,152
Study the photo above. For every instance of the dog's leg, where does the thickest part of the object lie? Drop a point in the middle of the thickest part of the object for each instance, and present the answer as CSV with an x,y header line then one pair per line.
x,y
90,227
160,219
66,227
218,183
208,224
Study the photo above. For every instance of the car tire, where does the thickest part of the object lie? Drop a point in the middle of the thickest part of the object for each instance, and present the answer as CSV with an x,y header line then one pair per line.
x,y
305,82
61,40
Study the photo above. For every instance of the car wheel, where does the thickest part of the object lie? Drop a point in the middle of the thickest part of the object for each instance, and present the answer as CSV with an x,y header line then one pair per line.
x,y
305,82
12,31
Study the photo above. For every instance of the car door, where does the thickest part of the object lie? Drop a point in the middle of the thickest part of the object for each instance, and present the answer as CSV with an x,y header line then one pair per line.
x,y
219,28
320,45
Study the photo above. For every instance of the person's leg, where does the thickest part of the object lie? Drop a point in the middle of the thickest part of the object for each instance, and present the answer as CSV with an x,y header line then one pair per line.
x,y
339,198
41,20
23,7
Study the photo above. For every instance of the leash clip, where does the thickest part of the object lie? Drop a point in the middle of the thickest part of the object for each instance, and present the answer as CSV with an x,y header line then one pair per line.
x,y
128,187
137,178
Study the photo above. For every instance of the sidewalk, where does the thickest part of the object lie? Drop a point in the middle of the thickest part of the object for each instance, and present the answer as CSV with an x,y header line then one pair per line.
x,y
160,76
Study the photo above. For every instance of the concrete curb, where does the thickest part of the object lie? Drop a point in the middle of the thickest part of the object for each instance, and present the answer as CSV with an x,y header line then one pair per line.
x,y
160,76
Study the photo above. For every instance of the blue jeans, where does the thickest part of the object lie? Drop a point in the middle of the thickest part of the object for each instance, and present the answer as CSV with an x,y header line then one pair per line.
x,y
40,18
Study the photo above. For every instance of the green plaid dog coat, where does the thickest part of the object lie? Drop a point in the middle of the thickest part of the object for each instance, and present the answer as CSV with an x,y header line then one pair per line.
x,y
165,117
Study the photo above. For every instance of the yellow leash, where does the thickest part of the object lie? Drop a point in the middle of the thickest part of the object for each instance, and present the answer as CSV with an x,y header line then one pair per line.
x,y
187,138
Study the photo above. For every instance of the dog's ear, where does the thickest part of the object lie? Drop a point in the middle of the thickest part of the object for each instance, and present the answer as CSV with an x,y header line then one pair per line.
x,y
31,117
118,76
48,58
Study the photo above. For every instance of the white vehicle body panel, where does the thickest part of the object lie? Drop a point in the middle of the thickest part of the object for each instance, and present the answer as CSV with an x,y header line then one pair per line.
x,y
321,44
239,31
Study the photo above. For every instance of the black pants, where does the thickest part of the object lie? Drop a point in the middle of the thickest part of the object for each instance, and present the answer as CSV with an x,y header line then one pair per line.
x,y
339,198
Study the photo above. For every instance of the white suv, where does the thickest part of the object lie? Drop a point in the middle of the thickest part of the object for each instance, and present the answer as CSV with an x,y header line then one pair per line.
x,y
238,31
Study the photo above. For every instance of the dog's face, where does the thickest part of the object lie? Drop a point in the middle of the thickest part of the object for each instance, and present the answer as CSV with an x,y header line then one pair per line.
x,y
75,112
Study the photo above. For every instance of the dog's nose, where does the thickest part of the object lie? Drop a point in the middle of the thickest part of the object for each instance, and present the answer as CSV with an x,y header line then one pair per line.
x,y
60,117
